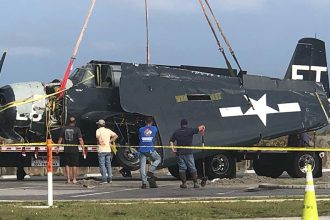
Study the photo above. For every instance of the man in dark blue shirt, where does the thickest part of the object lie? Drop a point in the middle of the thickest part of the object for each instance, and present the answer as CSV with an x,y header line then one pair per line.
x,y
146,150
185,158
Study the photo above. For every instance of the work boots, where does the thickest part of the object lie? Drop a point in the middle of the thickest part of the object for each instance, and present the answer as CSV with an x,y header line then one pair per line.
x,y
183,179
194,177
151,178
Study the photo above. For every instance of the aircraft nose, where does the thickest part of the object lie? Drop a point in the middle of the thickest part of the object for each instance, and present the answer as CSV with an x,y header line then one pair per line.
x,y
7,115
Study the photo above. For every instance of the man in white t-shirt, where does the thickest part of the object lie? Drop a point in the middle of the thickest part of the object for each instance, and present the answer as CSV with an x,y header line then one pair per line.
x,y
105,137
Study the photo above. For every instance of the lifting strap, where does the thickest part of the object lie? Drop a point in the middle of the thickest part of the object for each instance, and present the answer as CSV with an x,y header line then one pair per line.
x,y
75,51
223,34
230,69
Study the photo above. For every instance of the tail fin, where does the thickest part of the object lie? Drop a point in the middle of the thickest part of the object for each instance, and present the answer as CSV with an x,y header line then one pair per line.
x,y
309,62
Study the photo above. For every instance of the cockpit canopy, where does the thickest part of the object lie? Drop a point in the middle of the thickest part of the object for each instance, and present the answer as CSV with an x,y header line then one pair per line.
x,y
97,75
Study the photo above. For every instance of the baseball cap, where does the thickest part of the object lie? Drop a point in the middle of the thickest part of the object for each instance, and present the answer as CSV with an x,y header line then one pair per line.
x,y
101,122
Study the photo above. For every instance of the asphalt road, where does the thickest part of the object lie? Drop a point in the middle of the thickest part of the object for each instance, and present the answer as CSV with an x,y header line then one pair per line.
x,y
35,188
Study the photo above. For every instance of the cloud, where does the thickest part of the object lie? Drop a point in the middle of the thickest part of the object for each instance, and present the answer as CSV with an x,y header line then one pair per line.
x,y
106,46
30,51
160,6
192,6
240,5
318,4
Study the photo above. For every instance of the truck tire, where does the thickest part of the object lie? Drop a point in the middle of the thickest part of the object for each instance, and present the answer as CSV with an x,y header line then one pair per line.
x,y
268,167
297,161
126,158
220,165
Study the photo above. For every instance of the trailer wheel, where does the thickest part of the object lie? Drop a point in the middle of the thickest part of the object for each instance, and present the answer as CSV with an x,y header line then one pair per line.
x,y
221,165
126,158
297,161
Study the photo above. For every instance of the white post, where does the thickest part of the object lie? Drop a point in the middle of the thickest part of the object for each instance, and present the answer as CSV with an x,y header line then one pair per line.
x,y
50,172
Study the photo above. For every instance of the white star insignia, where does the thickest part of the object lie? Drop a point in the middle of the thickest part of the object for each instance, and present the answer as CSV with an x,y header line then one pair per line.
x,y
261,109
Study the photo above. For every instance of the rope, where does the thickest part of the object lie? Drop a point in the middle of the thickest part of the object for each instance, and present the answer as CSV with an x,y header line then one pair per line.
x,y
230,69
223,34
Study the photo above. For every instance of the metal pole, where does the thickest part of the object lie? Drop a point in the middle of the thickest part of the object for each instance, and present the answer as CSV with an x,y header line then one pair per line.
x,y
147,30
50,172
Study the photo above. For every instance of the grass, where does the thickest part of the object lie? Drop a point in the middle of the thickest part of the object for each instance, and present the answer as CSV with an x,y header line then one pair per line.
x,y
148,210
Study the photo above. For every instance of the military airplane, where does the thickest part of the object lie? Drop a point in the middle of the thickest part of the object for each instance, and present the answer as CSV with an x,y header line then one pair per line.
x,y
237,111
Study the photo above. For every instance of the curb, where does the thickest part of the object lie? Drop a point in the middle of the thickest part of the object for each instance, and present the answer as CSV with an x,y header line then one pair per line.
x,y
278,186
252,171
8,177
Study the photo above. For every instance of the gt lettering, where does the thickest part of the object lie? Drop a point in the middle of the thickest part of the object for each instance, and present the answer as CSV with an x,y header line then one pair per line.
x,y
318,70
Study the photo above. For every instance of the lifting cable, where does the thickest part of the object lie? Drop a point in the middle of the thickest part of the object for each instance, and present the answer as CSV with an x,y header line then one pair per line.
x,y
147,30
223,34
230,69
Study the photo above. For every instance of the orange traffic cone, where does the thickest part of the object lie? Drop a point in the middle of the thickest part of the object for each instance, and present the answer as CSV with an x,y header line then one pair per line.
x,y
310,207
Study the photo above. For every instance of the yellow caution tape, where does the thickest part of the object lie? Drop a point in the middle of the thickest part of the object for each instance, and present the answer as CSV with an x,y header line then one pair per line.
x,y
222,148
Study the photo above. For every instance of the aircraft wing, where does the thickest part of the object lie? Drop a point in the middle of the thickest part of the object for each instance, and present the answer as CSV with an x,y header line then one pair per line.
x,y
234,114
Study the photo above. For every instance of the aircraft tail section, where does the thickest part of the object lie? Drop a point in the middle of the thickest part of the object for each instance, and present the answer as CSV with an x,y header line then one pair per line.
x,y
309,62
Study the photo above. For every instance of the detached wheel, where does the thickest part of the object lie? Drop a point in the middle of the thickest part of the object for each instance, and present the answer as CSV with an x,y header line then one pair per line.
x,y
125,157
269,166
221,165
297,162
174,171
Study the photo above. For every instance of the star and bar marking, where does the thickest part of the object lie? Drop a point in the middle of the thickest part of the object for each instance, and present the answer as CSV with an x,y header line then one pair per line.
x,y
261,109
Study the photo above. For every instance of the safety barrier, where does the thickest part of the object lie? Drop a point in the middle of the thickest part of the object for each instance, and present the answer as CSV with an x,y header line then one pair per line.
x,y
32,146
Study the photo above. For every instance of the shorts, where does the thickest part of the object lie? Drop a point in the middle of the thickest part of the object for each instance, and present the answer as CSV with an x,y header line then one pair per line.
x,y
71,159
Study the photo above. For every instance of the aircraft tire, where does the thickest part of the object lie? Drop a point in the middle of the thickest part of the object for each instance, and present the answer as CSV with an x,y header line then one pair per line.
x,y
125,157
220,165
174,171
262,168
297,161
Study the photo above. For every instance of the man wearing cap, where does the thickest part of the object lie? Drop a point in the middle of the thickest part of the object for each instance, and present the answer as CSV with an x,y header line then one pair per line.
x,y
105,137
146,150
71,134
185,158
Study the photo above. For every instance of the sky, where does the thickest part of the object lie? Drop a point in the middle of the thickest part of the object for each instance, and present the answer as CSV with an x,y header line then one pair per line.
x,y
40,35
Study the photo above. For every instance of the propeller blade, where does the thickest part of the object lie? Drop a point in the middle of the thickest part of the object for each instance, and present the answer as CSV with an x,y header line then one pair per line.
x,y
2,59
